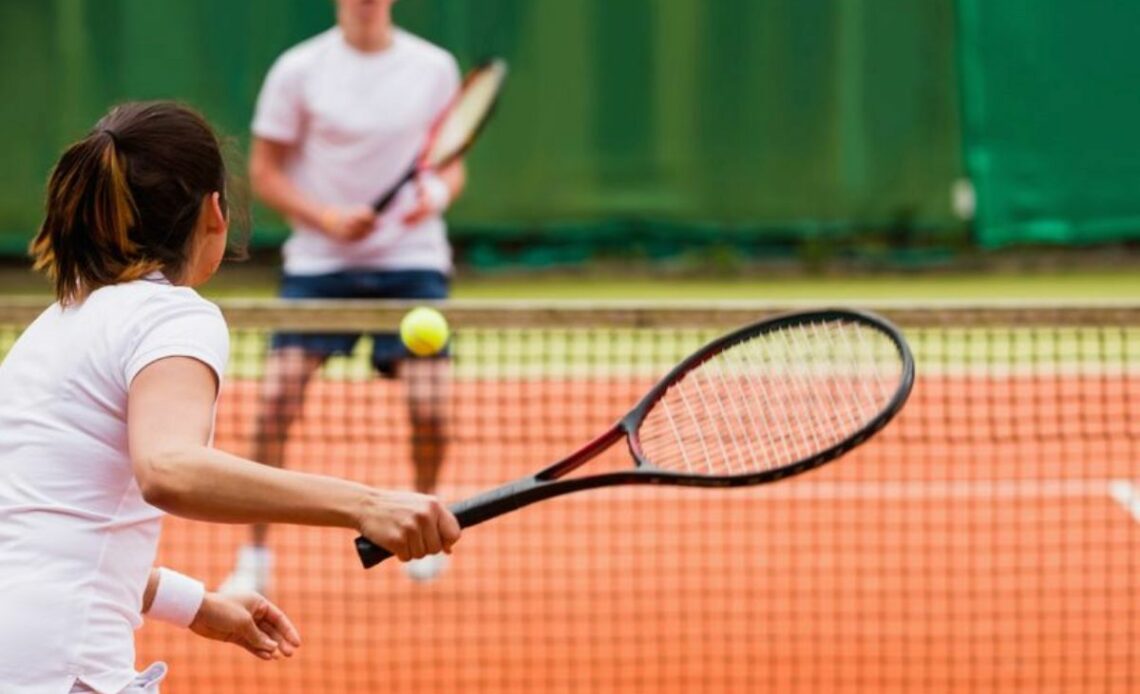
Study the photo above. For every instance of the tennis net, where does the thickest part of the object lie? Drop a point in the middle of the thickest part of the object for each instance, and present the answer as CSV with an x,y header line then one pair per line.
x,y
986,540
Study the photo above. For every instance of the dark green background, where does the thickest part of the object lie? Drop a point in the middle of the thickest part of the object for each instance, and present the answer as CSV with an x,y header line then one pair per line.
x,y
748,119
1051,95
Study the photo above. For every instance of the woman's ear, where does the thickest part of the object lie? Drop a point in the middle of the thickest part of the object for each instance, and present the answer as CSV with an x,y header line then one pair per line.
x,y
216,219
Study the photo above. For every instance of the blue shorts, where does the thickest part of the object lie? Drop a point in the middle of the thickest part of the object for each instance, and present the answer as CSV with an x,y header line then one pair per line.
x,y
387,348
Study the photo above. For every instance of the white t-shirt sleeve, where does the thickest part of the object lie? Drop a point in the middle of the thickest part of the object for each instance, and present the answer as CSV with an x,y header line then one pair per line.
x,y
280,112
178,323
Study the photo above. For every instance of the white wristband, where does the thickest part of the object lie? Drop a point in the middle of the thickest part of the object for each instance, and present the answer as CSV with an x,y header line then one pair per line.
x,y
177,598
436,190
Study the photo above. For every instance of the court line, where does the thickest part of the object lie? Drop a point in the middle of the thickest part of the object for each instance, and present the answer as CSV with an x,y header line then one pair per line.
x,y
1124,493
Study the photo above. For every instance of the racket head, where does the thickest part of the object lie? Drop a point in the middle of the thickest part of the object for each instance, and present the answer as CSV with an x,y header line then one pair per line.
x,y
468,112
867,340
772,400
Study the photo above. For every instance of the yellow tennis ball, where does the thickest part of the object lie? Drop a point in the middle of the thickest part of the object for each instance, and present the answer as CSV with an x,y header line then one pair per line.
x,y
424,331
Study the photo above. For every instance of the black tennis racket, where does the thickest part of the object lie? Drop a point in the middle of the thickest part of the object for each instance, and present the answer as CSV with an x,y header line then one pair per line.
x,y
765,402
455,130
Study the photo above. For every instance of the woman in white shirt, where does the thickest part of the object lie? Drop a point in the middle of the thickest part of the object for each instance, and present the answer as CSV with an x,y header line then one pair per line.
x,y
106,417
339,119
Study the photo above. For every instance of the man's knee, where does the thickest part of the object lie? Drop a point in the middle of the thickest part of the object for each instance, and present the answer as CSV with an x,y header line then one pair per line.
x,y
283,390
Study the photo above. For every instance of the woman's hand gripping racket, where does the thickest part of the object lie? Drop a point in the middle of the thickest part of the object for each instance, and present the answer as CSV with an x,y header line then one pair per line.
x,y
765,402
457,127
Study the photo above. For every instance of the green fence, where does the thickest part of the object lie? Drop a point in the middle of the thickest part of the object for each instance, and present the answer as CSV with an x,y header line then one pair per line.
x,y
1051,108
755,121
743,118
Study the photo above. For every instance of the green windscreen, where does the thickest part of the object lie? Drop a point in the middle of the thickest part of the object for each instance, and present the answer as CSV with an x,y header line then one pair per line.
x,y
744,118
1051,110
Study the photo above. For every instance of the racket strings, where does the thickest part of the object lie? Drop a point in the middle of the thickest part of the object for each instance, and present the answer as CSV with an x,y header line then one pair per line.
x,y
467,114
773,400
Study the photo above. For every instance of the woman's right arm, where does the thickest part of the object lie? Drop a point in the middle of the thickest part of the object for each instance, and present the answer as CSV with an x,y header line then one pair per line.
x,y
170,416
273,187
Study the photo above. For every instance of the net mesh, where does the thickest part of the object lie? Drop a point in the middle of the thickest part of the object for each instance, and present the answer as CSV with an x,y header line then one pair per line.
x,y
985,541
774,399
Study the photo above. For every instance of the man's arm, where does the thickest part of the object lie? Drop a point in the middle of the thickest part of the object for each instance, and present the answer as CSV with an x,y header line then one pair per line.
x,y
272,186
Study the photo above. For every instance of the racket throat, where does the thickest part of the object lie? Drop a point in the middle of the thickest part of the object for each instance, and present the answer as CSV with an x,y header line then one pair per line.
x,y
528,490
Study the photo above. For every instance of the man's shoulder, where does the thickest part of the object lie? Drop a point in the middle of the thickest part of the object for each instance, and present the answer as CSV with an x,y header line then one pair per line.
x,y
423,49
309,50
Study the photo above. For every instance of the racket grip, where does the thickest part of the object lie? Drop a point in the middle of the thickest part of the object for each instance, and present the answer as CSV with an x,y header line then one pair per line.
x,y
370,554
383,202
473,511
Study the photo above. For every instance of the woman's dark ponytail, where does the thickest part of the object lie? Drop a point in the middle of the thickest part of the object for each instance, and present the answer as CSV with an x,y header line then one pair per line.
x,y
123,201
85,240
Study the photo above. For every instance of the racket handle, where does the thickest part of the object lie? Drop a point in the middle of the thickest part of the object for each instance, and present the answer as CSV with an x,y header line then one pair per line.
x,y
370,554
469,512
383,202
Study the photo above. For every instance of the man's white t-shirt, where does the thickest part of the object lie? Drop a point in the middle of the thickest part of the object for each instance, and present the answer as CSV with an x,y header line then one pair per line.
x,y
77,540
357,121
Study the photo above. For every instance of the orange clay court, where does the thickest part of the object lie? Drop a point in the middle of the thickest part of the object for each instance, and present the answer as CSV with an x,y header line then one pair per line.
x,y
985,541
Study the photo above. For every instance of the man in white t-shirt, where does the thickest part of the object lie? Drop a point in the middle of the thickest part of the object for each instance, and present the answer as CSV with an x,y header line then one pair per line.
x,y
340,117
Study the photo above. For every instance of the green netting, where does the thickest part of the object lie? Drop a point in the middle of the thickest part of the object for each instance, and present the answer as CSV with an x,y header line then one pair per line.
x,y
1050,113
704,117
985,541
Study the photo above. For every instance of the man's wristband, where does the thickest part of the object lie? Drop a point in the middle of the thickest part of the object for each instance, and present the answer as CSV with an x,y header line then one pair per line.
x,y
435,190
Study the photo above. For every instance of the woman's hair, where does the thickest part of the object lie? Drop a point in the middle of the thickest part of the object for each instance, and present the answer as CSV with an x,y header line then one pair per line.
x,y
123,201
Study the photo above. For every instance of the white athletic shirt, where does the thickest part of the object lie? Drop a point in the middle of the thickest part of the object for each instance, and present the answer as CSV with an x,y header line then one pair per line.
x,y
77,540
357,122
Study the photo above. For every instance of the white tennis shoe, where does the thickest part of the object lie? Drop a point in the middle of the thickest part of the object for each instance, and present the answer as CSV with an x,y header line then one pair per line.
x,y
426,568
252,571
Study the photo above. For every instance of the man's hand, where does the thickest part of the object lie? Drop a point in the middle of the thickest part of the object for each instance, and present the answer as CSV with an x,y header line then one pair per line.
x,y
248,620
435,191
348,223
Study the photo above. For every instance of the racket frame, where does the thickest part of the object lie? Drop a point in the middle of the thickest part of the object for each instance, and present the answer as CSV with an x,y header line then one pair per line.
x,y
547,483
381,203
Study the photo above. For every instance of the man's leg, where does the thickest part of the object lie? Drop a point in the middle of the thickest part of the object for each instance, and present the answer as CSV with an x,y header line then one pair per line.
x,y
428,385
287,374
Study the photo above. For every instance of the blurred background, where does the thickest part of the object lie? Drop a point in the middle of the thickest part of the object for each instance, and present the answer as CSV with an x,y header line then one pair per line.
x,y
969,168
691,137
